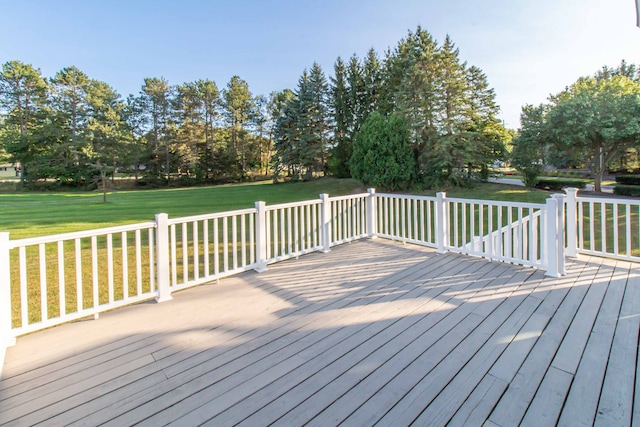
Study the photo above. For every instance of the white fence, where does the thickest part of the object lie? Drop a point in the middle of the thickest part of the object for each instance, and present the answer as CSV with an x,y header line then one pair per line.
x,y
49,280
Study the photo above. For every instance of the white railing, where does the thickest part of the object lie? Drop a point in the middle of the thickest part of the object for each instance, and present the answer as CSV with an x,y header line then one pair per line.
x,y
608,227
110,267
208,247
510,232
410,219
49,280
292,229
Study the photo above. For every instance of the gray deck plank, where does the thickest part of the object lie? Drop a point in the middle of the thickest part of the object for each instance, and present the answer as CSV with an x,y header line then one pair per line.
x,y
582,402
374,331
273,401
199,406
502,354
513,404
616,400
421,360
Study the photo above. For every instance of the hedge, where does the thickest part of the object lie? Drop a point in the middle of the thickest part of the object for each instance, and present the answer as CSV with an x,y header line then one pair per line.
x,y
560,183
628,179
626,190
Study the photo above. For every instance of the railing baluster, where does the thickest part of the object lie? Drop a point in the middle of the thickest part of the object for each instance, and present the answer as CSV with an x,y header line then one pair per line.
x,y
78,255
225,244
234,241
152,267
628,229
174,255
138,262
125,264
243,240
196,250
205,247
603,226
43,281
185,254
110,266
61,283
592,234
252,252
615,227
216,248
580,220
94,270
24,291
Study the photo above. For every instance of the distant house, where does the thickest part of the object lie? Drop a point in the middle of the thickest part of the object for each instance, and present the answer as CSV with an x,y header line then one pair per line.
x,y
8,170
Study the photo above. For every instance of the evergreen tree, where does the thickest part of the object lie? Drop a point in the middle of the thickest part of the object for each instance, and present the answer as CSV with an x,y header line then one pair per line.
x,y
155,100
23,95
69,99
342,149
238,103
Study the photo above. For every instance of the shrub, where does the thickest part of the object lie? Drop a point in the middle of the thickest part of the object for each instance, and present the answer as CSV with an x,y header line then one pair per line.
x,y
560,183
628,179
626,190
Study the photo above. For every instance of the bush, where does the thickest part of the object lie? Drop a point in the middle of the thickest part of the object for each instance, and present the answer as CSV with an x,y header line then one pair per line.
x,y
560,183
628,179
626,190
382,155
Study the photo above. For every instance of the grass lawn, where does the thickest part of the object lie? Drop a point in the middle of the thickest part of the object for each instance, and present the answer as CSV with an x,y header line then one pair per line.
x,y
36,214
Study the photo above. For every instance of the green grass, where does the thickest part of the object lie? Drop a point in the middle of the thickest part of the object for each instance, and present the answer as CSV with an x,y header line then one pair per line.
x,y
36,214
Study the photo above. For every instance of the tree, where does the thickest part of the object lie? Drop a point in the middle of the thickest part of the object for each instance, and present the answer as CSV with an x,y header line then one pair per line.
x,y
108,134
238,103
527,155
23,94
155,102
69,99
382,155
342,149
597,117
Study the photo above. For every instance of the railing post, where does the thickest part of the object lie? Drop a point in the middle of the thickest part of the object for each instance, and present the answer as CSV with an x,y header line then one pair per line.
x,y
6,340
560,231
372,214
325,223
261,237
572,222
551,238
162,257
442,220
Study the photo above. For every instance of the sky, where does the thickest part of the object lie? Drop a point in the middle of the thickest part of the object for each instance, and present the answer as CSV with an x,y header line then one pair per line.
x,y
529,49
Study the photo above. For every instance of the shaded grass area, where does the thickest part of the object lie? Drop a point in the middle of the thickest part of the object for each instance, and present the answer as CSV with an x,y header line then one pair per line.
x,y
36,214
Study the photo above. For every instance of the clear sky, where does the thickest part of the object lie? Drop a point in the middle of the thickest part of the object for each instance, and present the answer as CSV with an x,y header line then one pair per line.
x,y
528,48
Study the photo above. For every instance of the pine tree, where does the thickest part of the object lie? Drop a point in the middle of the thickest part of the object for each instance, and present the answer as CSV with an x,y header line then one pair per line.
x,y
342,148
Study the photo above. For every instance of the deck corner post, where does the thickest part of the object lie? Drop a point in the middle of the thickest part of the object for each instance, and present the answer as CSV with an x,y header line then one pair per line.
x,y
162,258
372,214
551,238
325,221
572,222
442,231
261,237
560,231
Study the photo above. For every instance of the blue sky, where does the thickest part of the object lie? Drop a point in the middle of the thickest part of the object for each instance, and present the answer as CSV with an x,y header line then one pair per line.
x,y
528,48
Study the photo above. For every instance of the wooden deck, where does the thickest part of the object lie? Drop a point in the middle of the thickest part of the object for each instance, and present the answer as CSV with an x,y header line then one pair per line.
x,y
372,332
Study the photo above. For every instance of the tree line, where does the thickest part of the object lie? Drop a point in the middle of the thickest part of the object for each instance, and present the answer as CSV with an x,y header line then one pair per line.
x,y
417,116
594,123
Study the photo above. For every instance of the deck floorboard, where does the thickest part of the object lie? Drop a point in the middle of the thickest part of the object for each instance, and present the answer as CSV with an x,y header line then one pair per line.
x,y
373,332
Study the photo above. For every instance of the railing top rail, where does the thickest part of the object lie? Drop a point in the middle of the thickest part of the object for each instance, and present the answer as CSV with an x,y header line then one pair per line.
x,y
80,234
406,196
496,203
610,200
215,215
293,204
349,196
